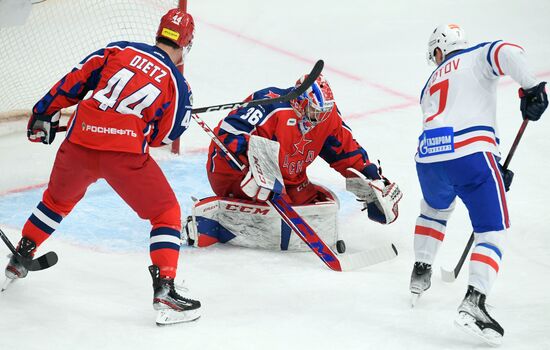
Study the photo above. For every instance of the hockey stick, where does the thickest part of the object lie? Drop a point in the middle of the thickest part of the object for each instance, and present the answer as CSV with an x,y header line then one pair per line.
x,y
450,276
312,76
297,91
304,231
42,262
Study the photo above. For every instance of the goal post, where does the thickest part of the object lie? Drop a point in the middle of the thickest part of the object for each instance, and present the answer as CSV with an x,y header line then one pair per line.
x,y
175,148
60,33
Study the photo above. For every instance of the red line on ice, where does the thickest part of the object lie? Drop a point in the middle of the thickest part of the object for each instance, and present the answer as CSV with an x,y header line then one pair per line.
x,y
309,60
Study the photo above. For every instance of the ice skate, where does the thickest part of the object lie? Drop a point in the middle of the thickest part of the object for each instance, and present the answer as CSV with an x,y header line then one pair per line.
x,y
14,269
420,280
172,307
474,319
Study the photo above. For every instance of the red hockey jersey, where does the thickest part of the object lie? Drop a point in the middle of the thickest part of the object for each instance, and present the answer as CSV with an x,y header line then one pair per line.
x,y
331,139
130,96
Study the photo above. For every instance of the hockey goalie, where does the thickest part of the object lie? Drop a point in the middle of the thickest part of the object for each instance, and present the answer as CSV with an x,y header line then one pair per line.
x,y
277,142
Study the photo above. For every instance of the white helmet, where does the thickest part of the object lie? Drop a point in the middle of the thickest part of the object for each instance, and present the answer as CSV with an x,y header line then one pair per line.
x,y
448,38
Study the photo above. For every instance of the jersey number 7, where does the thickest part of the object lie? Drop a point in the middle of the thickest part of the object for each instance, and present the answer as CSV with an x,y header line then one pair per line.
x,y
443,88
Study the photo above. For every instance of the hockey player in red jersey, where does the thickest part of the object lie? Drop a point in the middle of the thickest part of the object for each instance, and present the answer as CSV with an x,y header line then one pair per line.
x,y
304,128
138,99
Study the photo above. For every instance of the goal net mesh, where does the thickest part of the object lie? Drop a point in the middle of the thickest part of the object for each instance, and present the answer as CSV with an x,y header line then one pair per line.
x,y
58,34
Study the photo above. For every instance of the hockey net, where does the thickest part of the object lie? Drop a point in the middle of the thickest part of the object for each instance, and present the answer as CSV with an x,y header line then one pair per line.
x,y
58,34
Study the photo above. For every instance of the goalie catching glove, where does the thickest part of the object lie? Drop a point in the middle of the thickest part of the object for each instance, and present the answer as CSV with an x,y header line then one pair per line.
x,y
380,197
43,127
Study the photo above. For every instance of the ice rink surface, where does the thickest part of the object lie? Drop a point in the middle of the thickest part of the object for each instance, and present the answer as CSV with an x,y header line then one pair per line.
x,y
99,294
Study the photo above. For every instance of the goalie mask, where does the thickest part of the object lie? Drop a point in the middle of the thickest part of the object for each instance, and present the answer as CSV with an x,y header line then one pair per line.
x,y
315,104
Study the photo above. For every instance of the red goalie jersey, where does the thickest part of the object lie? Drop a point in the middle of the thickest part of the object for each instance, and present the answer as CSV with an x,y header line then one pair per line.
x,y
134,101
299,144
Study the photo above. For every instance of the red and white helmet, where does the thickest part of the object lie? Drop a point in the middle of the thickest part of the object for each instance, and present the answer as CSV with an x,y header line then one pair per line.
x,y
316,103
177,26
448,38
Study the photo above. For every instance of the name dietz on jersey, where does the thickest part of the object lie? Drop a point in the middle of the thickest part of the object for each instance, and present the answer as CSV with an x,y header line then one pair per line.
x,y
145,66
296,167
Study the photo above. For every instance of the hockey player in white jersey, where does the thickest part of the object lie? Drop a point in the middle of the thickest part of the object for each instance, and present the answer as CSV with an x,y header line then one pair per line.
x,y
458,155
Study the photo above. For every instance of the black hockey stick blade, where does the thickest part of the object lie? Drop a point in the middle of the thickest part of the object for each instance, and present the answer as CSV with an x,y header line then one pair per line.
x,y
42,262
312,76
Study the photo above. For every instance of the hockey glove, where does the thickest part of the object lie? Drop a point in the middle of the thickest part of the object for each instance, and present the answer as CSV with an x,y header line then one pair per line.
x,y
251,188
533,101
42,127
507,177
380,197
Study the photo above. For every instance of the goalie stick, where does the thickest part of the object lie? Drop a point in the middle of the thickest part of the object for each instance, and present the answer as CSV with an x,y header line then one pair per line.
x,y
304,231
450,276
42,262
312,76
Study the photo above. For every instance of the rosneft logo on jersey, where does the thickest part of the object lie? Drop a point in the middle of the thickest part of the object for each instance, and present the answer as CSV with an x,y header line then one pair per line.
x,y
107,130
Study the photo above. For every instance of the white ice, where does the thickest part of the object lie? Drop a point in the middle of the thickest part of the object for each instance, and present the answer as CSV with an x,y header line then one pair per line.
x,y
98,296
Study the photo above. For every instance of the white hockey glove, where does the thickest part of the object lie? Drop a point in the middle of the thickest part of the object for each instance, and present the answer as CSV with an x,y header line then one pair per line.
x,y
250,187
380,197
264,175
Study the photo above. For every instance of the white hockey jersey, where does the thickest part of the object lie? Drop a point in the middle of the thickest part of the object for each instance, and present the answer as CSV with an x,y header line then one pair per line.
x,y
459,101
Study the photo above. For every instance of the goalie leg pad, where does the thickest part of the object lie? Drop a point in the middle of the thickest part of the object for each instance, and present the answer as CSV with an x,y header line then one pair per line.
x,y
253,225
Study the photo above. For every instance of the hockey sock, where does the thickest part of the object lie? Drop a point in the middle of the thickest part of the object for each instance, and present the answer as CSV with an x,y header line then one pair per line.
x,y
164,250
41,224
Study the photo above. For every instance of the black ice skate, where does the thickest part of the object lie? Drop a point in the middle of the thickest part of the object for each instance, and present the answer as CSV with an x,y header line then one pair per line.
x,y
14,269
172,307
420,280
473,318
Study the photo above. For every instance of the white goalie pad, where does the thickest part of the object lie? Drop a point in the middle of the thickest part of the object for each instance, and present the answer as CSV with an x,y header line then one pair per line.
x,y
253,225
263,158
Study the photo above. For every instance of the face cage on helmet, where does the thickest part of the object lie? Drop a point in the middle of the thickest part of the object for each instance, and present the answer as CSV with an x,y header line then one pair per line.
x,y
316,114
187,48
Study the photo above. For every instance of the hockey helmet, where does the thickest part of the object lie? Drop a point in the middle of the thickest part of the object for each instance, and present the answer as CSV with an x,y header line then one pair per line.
x,y
177,26
448,38
316,103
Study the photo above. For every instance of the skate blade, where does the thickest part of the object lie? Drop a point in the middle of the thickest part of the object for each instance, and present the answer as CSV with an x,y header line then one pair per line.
x,y
168,316
7,283
468,324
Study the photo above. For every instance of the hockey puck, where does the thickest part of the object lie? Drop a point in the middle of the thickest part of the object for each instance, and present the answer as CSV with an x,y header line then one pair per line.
x,y
340,247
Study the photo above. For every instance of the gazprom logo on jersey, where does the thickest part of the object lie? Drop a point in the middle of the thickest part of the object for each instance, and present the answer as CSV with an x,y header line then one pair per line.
x,y
105,130
436,141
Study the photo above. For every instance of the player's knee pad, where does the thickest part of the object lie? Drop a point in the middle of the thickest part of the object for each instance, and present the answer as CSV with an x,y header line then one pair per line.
x,y
437,214
168,218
